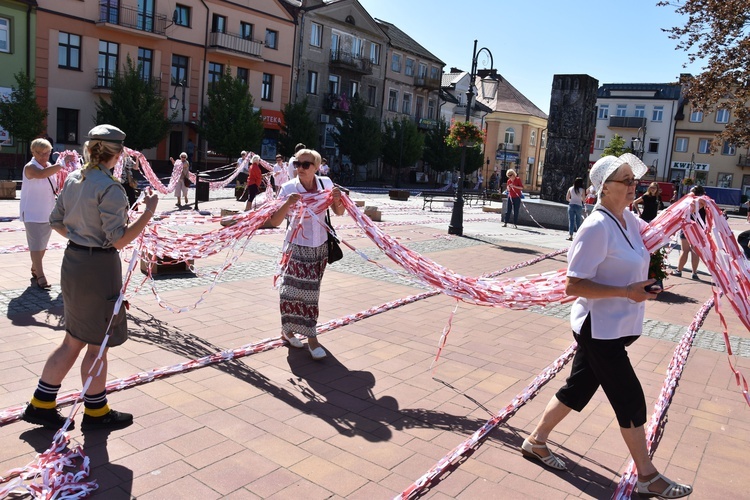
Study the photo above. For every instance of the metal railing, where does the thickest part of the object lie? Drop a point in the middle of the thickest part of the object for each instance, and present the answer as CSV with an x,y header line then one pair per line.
x,y
348,60
425,82
105,79
235,43
627,122
744,161
130,17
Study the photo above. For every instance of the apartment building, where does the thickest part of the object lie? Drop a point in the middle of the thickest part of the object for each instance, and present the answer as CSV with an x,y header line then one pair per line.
x,y
694,132
516,133
340,54
17,48
643,115
181,47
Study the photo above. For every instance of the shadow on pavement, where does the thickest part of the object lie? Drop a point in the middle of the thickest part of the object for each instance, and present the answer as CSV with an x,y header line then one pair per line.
x,y
23,309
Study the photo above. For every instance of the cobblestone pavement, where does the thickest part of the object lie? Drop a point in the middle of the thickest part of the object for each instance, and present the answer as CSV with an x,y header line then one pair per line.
x,y
373,416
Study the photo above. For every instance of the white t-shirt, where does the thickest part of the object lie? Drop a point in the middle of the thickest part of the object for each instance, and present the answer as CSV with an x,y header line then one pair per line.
x,y
601,253
37,196
575,197
244,163
280,175
311,234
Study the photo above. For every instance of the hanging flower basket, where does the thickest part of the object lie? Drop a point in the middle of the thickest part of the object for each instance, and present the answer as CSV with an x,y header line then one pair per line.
x,y
464,134
688,181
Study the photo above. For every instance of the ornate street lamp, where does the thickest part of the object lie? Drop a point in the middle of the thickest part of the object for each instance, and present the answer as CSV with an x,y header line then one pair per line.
x,y
639,142
173,102
489,88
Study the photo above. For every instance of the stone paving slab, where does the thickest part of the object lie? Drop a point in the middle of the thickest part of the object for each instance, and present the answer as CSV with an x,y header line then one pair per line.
x,y
372,417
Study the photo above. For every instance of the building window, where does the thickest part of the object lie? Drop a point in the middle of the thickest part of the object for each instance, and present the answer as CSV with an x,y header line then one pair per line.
x,y
353,89
653,145
246,31
333,84
145,63
107,65
393,100
358,47
396,63
312,82
728,149
316,35
640,111
704,146
696,116
658,114
272,39
372,95
622,110
544,141
724,180
603,112
4,35
431,109
422,71
409,69
681,144
419,108
722,115
532,138
179,69
182,15
375,53
510,135
68,51
67,126
599,142
406,104
243,75
266,88
219,24
435,73
215,72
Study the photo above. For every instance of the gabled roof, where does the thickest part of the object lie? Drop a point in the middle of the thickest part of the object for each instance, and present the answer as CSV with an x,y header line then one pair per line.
x,y
657,90
450,79
509,100
401,40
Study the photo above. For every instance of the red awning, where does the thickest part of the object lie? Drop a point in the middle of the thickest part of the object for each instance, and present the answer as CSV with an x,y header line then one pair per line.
x,y
272,119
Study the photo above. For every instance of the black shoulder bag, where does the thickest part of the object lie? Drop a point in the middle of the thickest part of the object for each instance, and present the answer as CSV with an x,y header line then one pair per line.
x,y
334,249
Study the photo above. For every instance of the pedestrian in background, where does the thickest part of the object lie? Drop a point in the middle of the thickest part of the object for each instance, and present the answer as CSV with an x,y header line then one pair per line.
x,y
574,197
181,189
38,192
650,202
514,186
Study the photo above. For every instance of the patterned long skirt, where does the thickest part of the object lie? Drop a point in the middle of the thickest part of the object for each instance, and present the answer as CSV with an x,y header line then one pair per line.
x,y
300,289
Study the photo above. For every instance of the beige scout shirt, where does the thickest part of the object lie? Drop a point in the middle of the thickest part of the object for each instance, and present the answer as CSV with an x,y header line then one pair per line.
x,y
94,209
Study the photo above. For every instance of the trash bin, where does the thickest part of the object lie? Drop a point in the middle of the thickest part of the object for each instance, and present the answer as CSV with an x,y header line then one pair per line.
x,y
201,190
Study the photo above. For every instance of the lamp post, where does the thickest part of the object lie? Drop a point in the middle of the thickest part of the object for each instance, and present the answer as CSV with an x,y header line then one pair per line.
x,y
173,101
639,142
489,87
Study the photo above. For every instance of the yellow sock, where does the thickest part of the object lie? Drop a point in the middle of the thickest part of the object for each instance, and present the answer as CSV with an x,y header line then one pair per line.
x,y
96,412
43,405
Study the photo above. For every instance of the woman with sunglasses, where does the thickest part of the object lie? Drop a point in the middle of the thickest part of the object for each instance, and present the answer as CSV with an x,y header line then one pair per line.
x,y
300,286
607,270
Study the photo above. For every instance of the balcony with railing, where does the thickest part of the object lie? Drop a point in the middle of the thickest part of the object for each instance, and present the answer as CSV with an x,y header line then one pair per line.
x,y
132,18
427,83
744,161
105,80
235,43
635,122
341,59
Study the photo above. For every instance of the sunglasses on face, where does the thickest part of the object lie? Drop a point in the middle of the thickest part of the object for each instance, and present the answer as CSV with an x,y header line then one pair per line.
x,y
627,182
304,164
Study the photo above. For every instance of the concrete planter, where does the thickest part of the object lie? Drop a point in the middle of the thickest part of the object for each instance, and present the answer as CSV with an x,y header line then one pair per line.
x,y
8,190
398,194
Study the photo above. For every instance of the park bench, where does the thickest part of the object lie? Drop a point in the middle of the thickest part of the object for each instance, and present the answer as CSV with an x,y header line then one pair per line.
x,y
429,196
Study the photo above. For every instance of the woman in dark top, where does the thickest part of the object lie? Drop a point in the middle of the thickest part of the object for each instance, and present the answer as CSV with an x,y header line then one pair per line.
x,y
650,202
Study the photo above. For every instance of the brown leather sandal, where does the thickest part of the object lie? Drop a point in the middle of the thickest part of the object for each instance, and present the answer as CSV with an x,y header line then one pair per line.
x,y
41,282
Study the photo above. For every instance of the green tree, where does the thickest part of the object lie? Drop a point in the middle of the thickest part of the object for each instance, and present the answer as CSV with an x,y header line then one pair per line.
x,y
717,33
20,114
616,147
136,107
403,145
358,135
298,127
437,153
229,123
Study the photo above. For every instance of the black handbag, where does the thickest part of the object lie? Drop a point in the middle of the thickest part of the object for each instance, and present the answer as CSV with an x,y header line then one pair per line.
x,y
334,249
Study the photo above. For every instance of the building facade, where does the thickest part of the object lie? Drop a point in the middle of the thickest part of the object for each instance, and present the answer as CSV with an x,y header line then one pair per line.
x,y
180,47
643,115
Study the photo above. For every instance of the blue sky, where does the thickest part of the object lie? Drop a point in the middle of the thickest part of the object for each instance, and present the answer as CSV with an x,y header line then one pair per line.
x,y
530,41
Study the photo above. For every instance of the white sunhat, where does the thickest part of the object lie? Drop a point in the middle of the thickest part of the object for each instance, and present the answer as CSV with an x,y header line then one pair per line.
x,y
607,165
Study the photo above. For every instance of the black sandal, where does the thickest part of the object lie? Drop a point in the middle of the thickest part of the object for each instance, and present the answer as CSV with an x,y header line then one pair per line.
x,y
33,274
41,282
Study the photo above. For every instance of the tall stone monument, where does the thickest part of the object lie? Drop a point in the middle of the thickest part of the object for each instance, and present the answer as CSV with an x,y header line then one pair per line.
x,y
570,132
